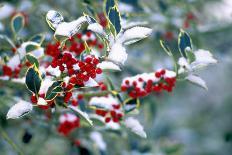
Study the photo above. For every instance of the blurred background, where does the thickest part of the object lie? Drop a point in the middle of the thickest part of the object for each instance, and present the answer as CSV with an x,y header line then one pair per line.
x,y
188,121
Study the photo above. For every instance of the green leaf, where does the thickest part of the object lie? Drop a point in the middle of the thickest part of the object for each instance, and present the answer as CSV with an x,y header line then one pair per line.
x,y
32,60
115,20
165,47
108,5
33,79
81,114
184,41
31,47
17,23
38,38
131,104
90,19
53,90
7,40
190,56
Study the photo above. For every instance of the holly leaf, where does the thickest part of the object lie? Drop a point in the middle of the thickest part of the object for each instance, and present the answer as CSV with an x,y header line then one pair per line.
x,y
53,90
109,4
190,56
17,23
131,104
81,114
38,38
115,20
184,41
31,47
33,79
165,47
32,60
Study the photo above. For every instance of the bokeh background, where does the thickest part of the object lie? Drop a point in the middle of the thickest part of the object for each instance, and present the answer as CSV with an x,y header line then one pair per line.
x,y
189,121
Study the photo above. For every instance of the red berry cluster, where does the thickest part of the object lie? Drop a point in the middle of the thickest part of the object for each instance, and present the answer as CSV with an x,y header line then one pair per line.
x,y
102,86
68,123
50,103
115,114
102,19
68,96
79,71
144,84
188,19
77,42
7,71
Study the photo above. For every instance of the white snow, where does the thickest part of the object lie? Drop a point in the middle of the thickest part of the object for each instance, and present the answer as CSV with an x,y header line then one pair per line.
x,y
135,126
46,83
97,28
104,102
97,138
197,80
6,10
203,58
135,34
91,83
53,71
19,109
118,53
107,65
41,101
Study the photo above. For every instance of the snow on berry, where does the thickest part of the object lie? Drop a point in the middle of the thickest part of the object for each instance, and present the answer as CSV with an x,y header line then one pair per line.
x,y
143,84
68,123
107,107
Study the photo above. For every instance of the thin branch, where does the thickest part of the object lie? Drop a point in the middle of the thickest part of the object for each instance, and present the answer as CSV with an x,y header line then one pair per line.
x,y
8,139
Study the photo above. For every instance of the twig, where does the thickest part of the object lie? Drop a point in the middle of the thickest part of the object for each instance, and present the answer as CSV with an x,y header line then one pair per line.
x,y
8,139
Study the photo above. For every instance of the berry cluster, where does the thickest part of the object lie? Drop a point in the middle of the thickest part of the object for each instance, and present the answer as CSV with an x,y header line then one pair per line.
x,y
68,122
143,84
8,71
107,107
41,98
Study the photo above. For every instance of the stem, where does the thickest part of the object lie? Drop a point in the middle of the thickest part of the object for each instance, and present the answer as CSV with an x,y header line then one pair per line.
x,y
102,93
8,139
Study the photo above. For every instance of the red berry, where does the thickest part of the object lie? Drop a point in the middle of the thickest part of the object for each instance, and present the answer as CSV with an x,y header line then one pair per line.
x,y
80,97
127,82
157,74
162,72
98,70
33,99
123,88
67,96
74,102
100,46
95,61
61,68
79,35
88,33
107,119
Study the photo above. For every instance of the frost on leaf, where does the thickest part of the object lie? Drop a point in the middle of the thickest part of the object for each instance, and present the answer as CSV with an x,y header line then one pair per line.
x,y
135,34
19,109
118,53
97,28
103,102
91,83
41,101
197,80
107,65
203,58
64,29
82,114
135,127
54,18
